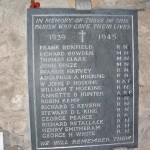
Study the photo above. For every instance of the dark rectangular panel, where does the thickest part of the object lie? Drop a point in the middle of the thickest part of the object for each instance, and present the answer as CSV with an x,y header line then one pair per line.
x,y
83,78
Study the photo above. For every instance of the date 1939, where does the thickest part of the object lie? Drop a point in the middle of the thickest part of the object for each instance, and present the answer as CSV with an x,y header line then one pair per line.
x,y
57,37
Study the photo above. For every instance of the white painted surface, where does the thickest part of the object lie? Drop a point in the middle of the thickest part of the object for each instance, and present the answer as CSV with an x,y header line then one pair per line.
x,y
1,141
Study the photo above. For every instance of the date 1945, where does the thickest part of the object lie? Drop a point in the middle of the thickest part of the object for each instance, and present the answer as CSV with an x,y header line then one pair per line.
x,y
105,37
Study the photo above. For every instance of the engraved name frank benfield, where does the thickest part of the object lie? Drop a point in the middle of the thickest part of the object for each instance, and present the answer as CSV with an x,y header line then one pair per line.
x,y
83,78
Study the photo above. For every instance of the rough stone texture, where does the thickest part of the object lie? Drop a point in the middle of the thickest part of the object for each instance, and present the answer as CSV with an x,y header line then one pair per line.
x,y
14,112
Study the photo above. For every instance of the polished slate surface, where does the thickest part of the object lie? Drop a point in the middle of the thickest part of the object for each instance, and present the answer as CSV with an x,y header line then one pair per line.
x,y
102,43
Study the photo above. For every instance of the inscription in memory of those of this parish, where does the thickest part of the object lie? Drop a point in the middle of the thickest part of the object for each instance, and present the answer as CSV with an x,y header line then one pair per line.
x,y
83,78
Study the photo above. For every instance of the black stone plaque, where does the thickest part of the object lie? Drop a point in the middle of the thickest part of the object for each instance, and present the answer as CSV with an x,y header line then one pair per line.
x,y
83,78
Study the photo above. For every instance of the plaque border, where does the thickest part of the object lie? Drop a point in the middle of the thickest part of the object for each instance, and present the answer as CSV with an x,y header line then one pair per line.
x,y
135,103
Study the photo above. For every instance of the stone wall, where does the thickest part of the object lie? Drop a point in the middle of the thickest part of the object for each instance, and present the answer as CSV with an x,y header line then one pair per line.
x,y
14,112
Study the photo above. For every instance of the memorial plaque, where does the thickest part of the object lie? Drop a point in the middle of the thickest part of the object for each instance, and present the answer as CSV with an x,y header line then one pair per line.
x,y
83,78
